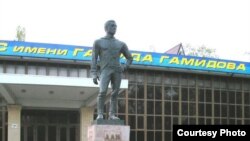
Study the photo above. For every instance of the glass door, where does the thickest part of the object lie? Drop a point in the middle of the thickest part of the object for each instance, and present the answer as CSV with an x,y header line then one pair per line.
x,y
50,126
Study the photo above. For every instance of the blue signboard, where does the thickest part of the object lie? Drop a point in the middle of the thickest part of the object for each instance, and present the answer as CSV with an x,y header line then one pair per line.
x,y
70,52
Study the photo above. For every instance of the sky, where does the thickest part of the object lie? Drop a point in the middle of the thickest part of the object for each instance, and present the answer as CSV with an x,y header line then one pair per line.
x,y
144,25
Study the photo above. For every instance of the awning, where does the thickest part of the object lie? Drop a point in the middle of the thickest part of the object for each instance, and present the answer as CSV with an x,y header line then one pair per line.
x,y
36,91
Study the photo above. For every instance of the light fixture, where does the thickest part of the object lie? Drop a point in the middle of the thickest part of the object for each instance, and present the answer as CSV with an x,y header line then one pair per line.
x,y
51,92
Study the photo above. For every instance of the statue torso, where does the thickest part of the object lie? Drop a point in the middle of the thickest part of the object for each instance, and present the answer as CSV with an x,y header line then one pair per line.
x,y
109,53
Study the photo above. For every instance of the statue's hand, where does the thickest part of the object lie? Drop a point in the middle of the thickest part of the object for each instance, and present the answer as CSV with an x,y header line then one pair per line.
x,y
95,80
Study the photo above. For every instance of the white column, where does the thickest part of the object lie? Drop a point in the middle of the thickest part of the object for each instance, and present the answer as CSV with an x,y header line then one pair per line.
x,y
14,122
86,117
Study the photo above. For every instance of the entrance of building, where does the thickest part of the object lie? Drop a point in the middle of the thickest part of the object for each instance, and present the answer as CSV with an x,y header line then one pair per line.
x,y
50,125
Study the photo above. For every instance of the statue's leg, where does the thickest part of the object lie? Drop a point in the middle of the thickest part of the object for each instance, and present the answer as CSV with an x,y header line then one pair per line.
x,y
104,82
115,84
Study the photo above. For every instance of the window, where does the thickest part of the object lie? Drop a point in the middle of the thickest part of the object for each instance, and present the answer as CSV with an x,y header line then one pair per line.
x,y
158,122
238,98
208,95
201,109
62,71
20,69
184,80
121,105
184,109
31,69
158,107
140,91
150,107
131,121
184,94
131,90
191,80
158,77
224,96
140,77
209,110
232,97
247,98
192,95
150,77
131,106
10,68
140,107
217,110
175,108
167,108
175,79
150,122
41,70
150,92
140,122
132,76
167,79
168,123
52,70
73,72
207,82
158,93
217,96
239,111
224,111
140,135
83,72
201,95
247,111
1,67
192,109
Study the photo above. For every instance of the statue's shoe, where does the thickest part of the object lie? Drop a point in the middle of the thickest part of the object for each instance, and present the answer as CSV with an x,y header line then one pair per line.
x,y
113,117
99,117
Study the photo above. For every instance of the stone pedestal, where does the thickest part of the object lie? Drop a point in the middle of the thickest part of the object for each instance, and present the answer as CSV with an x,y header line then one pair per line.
x,y
99,131
108,122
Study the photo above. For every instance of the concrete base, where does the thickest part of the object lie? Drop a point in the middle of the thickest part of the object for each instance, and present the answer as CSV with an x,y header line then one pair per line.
x,y
108,122
108,133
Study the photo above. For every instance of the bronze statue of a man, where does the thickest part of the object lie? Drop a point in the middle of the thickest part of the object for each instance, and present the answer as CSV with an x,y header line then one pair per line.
x,y
106,53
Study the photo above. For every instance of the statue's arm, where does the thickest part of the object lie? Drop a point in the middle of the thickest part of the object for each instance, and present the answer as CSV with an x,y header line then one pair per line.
x,y
127,55
95,53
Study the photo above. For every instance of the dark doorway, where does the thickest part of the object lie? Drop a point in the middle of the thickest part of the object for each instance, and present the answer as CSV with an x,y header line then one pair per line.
x,y
3,120
50,125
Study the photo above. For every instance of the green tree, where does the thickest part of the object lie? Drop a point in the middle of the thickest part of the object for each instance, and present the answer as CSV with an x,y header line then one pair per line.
x,y
201,51
20,33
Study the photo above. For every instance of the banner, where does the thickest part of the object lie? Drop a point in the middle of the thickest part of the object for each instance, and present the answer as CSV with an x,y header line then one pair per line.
x,y
71,52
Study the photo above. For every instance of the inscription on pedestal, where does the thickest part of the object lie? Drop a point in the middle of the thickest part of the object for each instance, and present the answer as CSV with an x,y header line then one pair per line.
x,y
112,136
108,133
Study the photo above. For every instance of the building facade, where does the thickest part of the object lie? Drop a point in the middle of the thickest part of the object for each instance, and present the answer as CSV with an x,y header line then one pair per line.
x,y
41,98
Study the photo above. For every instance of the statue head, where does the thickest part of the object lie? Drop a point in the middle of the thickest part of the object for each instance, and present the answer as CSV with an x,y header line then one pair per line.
x,y
110,27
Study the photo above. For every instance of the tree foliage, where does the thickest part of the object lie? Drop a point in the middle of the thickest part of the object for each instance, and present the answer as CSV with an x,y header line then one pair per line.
x,y
20,33
201,51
